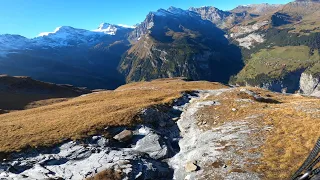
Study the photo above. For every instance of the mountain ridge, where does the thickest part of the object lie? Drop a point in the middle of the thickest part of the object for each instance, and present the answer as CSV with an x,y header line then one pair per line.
x,y
112,54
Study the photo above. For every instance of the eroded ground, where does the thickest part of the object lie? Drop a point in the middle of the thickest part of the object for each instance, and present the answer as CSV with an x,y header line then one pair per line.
x,y
272,137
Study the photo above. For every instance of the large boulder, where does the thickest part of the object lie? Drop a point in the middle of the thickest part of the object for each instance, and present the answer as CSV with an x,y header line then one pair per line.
x,y
152,145
310,85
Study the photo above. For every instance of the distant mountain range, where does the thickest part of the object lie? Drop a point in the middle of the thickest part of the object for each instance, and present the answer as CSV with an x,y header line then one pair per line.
x,y
272,46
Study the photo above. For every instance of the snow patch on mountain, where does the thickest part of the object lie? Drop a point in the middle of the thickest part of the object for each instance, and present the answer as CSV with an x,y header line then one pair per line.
x,y
111,29
171,11
47,33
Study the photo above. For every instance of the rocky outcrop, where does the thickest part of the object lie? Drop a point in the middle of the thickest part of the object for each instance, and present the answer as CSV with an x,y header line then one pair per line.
x,y
310,84
250,40
248,36
200,148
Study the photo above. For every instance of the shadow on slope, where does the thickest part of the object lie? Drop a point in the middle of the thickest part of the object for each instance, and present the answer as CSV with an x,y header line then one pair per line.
x,y
16,93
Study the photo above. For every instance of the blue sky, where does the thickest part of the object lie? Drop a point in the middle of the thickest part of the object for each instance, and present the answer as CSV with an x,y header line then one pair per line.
x,y
30,17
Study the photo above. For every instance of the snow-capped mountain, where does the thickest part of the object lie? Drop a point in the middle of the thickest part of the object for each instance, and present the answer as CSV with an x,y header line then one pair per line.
x,y
67,55
61,37
111,29
67,36
165,15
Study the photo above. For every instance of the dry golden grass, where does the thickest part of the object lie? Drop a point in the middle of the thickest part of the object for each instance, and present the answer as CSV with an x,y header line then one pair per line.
x,y
108,174
295,121
45,102
88,115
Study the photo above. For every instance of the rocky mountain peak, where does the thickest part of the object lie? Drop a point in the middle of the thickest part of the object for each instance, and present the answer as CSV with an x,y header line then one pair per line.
x,y
107,28
175,10
111,29
258,9
64,32
211,13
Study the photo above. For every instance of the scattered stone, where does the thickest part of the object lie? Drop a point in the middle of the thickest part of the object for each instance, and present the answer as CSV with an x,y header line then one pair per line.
x,y
191,167
95,138
175,119
124,136
234,109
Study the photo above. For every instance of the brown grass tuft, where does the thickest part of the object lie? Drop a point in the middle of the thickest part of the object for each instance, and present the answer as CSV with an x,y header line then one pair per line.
x,y
108,174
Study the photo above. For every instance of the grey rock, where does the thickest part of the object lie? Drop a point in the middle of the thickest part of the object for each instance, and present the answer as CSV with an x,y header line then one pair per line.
x,y
103,142
310,85
175,119
123,136
191,167
153,145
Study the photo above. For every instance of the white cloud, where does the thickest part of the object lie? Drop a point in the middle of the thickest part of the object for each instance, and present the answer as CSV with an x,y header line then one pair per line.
x,y
125,26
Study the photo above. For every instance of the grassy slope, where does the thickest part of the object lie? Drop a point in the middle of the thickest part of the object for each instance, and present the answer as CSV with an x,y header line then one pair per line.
x,y
307,16
277,61
87,115
308,24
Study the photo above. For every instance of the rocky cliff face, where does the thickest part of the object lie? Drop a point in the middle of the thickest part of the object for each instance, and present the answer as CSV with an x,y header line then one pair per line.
x,y
310,84
175,43
215,15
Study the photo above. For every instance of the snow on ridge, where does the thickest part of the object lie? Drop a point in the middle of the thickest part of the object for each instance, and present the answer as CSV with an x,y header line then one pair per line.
x,y
176,10
47,33
170,11
111,29
64,30
106,28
